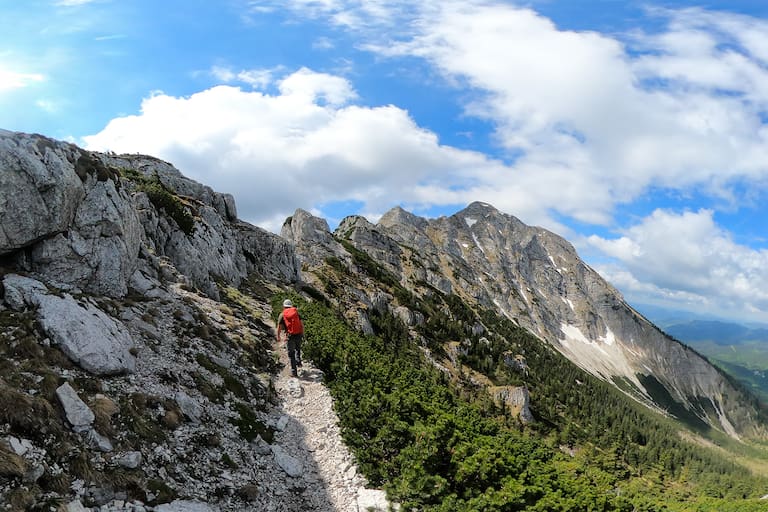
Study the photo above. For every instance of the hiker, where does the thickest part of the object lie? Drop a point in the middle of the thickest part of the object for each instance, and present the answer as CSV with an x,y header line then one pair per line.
x,y
290,321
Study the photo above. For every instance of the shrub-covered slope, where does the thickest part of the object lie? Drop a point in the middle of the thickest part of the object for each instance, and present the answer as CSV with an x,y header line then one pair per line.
x,y
414,375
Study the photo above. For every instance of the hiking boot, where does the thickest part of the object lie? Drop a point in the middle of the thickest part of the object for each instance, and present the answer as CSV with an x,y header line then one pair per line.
x,y
294,373
298,363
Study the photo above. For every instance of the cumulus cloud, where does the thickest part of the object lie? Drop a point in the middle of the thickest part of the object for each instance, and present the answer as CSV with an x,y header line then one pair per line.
x,y
679,108
589,121
302,147
687,257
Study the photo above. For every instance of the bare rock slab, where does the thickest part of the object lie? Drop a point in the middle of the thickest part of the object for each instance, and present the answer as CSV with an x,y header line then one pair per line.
x,y
92,339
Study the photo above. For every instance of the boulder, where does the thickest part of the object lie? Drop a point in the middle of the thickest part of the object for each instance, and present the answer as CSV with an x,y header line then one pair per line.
x,y
130,460
78,413
89,337
516,399
189,407
291,465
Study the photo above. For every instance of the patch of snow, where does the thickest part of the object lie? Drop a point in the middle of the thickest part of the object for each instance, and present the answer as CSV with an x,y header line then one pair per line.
x,y
609,338
504,311
470,221
552,260
727,426
474,237
524,295
465,245
573,333
569,302
599,359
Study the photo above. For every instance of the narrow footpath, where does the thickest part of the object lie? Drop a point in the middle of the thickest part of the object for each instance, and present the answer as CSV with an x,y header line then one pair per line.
x,y
310,439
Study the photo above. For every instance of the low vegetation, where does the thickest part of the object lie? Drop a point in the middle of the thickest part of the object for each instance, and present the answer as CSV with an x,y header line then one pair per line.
x,y
440,445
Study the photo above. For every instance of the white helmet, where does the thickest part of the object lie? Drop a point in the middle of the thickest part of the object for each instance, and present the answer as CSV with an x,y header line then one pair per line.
x,y
287,303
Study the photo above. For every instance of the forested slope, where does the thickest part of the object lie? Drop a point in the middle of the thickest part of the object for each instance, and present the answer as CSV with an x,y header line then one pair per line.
x,y
438,441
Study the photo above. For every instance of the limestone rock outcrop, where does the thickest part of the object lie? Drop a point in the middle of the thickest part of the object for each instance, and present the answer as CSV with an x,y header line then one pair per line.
x,y
67,209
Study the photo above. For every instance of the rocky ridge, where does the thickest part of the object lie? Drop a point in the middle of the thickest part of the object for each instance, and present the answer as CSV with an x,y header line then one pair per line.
x,y
535,278
135,374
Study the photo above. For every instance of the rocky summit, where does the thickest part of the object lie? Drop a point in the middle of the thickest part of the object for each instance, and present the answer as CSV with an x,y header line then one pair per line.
x,y
138,366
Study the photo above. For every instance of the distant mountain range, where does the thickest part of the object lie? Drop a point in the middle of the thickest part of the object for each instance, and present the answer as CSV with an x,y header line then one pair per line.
x,y
739,349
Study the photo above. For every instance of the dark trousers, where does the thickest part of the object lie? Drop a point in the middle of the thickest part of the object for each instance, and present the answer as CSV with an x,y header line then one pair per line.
x,y
294,350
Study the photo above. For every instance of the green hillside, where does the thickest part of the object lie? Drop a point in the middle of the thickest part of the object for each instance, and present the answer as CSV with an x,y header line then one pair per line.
x,y
438,445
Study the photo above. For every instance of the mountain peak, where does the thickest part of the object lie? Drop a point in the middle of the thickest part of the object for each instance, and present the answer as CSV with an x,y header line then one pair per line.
x,y
399,216
480,207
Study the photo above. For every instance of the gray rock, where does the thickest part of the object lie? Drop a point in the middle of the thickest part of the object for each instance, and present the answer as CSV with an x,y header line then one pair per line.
x,y
189,407
99,441
19,446
373,500
291,465
282,422
261,446
130,460
39,189
294,388
89,337
516,399
75,506
185,506
409,317
78,413
21,291
92,339
34,473
145,285
219,247
99,250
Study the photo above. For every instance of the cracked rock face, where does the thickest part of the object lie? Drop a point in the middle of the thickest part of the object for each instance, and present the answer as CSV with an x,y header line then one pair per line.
x,y
39,189
62,203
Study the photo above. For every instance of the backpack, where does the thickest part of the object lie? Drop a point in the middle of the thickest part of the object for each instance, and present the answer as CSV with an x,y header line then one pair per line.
x,y
292,321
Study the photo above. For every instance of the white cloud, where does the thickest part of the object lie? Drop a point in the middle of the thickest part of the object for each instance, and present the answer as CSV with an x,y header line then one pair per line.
x,y
301,147
578,103
688,257
591,121
10,79
313,86
680,108
256,78
323,43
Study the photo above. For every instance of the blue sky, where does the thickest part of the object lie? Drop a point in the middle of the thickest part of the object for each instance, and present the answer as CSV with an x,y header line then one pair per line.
x,y
637,130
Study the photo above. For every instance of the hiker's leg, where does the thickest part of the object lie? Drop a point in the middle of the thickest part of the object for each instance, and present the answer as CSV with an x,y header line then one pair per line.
x,y
298,350
292,352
